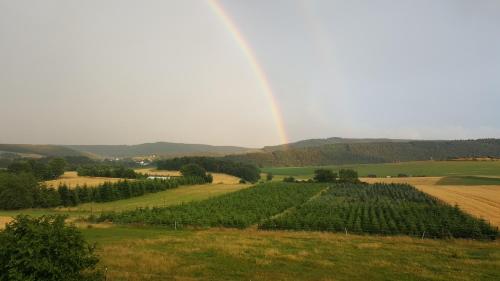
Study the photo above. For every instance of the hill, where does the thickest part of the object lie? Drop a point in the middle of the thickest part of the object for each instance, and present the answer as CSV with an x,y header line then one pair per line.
x,y
38,150
372,152
161,149
333,140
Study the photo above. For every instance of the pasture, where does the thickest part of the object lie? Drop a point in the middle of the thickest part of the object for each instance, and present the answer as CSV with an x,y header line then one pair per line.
x,y
71,179
420,168
149,253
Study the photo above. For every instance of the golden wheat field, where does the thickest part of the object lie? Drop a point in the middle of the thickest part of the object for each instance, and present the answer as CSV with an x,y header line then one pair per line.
x,y
481,200
71,179
4,221
218,178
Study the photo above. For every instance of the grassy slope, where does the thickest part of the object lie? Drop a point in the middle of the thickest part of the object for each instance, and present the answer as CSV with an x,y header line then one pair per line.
x,y
226,254
427,168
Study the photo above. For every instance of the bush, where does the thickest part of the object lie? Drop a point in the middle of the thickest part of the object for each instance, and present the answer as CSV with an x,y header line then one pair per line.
x,y
402,175
289,179
269,177
324,175
348,175
193,170
45,248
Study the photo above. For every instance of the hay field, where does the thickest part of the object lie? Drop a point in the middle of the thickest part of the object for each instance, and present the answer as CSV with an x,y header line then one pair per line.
x,y
71,179
481,200
218,178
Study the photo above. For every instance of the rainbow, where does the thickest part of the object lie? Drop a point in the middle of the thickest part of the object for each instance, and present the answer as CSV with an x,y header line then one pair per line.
x,y
254,64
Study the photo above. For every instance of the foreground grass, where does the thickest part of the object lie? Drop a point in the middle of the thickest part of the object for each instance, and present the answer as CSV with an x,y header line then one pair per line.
x,y
420,168
226,254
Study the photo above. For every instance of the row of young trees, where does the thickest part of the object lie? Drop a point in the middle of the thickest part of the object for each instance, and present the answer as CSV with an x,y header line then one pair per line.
x,y
107,171
388,209
247,172
238,209
125,189
21,191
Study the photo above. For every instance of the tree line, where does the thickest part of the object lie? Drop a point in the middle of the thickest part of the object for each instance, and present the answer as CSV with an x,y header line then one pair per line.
x,y
247,172
21,191
42,169
108,171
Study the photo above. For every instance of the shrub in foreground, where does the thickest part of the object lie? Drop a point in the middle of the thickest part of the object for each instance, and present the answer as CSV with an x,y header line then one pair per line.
x,y
45,248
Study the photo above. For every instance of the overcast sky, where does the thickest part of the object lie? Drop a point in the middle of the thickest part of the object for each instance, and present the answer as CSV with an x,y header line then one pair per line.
x,y
127,72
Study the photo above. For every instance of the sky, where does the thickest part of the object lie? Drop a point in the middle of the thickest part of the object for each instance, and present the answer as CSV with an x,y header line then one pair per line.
x,y
129,72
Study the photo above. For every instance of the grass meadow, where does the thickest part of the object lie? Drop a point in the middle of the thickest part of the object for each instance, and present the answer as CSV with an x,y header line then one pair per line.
x,y
420,168
148,253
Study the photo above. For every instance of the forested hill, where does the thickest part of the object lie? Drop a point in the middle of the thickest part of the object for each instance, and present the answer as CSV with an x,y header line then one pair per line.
x,y
373,152
163,149
41,150
320,142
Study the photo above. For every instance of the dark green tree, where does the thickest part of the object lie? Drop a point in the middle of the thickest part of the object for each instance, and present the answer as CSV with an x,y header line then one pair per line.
x,y
16,191
348,175
57,167
324,175
193,170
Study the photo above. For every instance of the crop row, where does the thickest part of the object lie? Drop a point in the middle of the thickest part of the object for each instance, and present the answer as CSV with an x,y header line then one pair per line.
x,y
239,209
388,209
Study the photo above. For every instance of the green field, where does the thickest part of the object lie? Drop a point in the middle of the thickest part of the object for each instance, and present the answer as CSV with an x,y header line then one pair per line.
x,y
421,168
132,253
468,180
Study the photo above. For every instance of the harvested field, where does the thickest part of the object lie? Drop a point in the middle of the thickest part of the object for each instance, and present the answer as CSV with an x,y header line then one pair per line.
x,y
71,179
4,221
481,201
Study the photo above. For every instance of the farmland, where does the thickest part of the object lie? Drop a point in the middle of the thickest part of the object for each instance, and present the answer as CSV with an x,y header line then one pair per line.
x,y
482,201
240,209
71,179
381,209
420,168
218,178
